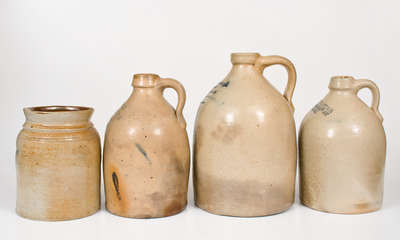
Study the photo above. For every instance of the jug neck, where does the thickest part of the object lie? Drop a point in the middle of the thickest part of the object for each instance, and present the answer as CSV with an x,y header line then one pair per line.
x,y
243,63
244,60
145,80
145,83
343,85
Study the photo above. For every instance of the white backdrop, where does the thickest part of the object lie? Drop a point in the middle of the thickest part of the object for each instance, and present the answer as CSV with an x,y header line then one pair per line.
x,y
85,52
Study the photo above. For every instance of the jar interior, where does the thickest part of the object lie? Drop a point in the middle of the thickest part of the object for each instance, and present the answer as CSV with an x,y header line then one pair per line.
x,y
58,108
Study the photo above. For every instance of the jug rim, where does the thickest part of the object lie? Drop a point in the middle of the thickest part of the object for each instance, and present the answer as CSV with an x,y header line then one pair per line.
x,y
143,80
341,82
244,57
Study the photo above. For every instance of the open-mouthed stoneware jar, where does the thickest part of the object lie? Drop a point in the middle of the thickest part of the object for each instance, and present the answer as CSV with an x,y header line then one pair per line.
x,y
58,164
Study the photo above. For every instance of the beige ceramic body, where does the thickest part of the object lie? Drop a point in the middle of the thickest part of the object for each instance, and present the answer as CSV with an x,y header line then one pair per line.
x,y
245,142
58,164
342,147
146,153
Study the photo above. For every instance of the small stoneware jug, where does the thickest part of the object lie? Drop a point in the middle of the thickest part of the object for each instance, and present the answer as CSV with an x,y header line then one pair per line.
x,y
342,147
58,164
245,142
146,152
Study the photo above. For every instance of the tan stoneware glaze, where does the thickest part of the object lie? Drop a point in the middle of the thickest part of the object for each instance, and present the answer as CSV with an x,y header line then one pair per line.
x,y
245,142
146,152
58,164
342,147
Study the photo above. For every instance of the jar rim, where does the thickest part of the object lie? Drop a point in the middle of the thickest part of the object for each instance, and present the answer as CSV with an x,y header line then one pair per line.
x,y
58,108
58,115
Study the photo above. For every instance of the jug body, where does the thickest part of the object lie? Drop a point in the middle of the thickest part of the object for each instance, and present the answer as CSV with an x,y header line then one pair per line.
x,y
342,147
245,142
146,153
58,164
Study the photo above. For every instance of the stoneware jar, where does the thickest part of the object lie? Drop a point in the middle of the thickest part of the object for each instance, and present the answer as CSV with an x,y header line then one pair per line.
x,y
146,152
245,142
58,164
342,147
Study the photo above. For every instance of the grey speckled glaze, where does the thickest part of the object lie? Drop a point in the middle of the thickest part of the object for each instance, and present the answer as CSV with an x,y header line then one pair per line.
x,y
245,142
342,151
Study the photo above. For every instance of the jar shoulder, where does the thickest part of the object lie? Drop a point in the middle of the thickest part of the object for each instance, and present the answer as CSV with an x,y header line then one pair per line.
x,y
89,134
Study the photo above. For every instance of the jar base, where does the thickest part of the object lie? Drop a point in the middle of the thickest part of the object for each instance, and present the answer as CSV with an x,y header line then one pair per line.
x,y
46,219
221,212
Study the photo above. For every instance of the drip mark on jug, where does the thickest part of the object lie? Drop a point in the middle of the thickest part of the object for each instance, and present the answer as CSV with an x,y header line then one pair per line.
x,y
225,84
322,107
116,185
142,151
210,95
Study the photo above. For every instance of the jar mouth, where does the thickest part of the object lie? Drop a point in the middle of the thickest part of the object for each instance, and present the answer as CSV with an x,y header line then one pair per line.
x,y
244,58
58,108
58,115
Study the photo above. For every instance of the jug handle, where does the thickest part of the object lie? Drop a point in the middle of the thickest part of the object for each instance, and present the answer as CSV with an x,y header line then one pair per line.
x,y
265,61
365,83
164,83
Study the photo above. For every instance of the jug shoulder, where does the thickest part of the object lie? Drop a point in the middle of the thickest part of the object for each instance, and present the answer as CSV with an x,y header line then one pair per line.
x,y
332,119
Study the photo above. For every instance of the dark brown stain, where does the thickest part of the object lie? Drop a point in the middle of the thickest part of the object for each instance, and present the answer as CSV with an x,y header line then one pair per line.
x,y
143,216
362,206
116,185
226,133
177,165
157,197
173,208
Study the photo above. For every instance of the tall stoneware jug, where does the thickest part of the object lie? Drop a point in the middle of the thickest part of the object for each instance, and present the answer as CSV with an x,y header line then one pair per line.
x,y
342,147
146,152
58,164
245,142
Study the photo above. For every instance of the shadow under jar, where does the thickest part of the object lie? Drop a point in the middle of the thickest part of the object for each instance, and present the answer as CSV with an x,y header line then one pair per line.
x,y
58,164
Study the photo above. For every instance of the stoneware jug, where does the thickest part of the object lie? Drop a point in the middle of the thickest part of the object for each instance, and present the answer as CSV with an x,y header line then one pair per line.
x,y
342,147
245,142
146,152
58,164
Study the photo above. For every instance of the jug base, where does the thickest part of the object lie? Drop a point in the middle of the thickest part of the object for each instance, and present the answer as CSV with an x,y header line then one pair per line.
x,y
147,216
221,212
351,210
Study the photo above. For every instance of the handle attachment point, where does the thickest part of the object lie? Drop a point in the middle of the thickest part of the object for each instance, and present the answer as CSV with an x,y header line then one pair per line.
x,y
164,83
365,83
265,61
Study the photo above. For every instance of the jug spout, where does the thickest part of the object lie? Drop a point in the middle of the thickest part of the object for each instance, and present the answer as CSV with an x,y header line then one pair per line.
x,y
145,80
244,58
341,82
